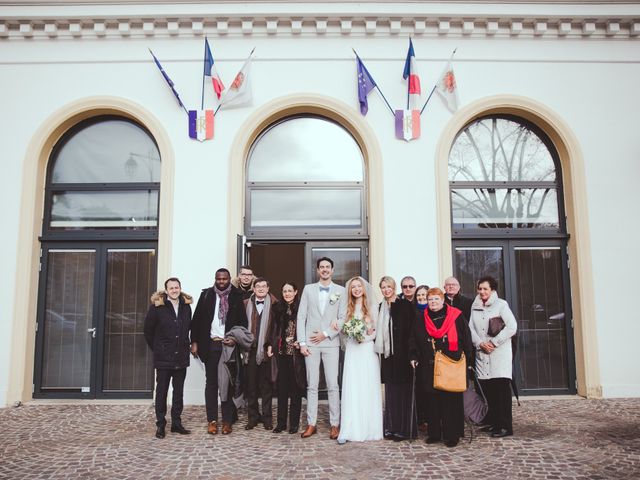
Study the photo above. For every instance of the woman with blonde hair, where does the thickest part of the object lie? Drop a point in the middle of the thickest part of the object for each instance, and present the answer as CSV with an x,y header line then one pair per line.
x,y
395,319
361,401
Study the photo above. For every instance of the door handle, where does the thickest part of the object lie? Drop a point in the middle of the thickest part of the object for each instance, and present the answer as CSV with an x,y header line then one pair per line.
x,y
92,331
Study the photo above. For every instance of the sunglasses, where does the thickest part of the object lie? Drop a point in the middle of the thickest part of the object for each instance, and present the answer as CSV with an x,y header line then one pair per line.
x,y
408,286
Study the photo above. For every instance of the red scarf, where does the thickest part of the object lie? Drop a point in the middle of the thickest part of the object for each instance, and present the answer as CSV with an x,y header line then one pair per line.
x,y
448,327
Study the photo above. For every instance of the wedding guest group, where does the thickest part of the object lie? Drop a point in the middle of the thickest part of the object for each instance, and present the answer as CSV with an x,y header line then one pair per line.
x,y
254,346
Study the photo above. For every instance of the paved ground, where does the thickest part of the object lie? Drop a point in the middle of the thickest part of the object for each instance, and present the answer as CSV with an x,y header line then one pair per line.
x,y
554,439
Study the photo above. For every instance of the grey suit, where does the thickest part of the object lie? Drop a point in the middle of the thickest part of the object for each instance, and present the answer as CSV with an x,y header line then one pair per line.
x,y
310,320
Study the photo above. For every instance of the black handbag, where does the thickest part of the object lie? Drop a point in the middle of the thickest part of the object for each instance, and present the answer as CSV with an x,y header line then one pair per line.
x,y
496,324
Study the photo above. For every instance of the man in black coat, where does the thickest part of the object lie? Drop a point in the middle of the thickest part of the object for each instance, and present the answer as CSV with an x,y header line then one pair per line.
x,y
166,330
219,309
453,297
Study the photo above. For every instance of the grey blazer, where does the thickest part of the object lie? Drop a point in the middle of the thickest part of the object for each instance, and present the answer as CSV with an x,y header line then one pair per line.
x,y
311,320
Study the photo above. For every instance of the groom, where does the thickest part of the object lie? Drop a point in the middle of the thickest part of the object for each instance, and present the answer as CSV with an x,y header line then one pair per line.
x,y
320,318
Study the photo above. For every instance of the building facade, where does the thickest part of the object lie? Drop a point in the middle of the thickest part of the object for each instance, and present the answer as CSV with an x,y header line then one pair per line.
x,y
530,179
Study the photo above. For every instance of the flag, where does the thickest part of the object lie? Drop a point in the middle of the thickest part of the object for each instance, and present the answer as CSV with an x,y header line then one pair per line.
x,y
168,80
211,71
407,124
239,93
201,124
413,80
448,89
365,85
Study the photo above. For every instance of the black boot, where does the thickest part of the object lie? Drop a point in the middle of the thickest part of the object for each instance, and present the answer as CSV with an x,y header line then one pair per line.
x,y
178,428
160,431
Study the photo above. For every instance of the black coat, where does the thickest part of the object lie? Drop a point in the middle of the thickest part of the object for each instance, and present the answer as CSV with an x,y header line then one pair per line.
x,y
166,333
420,347
277,334
203,317
396,368
462,303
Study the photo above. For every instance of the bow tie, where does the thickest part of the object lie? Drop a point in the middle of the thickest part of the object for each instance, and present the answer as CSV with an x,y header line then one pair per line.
x,y
324,289
260,302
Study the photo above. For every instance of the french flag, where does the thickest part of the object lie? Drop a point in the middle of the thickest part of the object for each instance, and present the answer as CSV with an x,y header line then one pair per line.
x,y
201,124
413,80
211,71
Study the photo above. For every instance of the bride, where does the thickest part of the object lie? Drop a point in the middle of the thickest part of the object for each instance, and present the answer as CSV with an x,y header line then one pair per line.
x,y
361,389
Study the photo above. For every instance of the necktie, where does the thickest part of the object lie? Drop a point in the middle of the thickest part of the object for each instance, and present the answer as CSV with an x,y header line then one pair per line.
x,y
324,289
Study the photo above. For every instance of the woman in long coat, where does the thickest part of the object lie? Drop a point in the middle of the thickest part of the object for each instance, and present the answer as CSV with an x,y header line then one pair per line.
x,y
494,357
446,328
288,371
395,318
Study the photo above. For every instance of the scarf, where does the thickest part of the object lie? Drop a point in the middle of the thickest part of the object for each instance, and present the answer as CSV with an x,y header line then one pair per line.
x,y
224,302
263,324
421,308
384,338
448,327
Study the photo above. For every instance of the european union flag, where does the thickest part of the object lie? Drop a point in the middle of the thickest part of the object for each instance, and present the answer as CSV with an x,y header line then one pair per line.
x,y
167,79
366,83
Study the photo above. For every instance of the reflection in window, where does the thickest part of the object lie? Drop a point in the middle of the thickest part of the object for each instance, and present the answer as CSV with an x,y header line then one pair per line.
x,y
504,208
497,149
503,176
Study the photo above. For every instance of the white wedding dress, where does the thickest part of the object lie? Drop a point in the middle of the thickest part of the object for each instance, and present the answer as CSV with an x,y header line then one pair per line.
x,y
361,404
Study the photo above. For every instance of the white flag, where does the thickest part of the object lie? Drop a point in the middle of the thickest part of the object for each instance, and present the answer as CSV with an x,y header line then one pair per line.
x,y
448,89
239,93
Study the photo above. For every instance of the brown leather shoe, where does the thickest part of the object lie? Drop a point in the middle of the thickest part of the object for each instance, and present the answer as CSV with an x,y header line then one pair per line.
x,y
311,430
212,428
334,432
226,428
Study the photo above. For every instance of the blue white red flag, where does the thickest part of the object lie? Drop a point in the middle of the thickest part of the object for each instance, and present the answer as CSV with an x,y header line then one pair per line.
x,y
413,80
366,83
407,124
201,124
210,70
168,80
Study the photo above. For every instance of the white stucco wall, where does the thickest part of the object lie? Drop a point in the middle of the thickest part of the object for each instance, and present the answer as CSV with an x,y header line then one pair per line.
x,y
591,84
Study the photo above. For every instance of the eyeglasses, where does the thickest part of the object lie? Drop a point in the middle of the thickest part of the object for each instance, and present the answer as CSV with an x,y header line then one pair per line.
x,y
434,299
408,286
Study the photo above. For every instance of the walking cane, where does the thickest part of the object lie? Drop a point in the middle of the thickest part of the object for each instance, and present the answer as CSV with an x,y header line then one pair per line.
x,y
413,405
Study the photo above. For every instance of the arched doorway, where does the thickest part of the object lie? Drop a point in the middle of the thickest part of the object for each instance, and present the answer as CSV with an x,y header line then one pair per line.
x,y
305,197
508,220
98,262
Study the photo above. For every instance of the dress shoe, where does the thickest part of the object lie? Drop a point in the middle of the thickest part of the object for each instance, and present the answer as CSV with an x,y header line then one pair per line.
x,y
293,430
503,432
311,430
160,432
422,427
212,428
269,426
178,428
279,429
388,436
430,440
399,438
334,432
251,425
488,428
451,443
226,428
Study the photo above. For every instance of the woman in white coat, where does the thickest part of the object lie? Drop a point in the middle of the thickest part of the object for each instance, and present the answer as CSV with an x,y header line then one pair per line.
x,y
494,357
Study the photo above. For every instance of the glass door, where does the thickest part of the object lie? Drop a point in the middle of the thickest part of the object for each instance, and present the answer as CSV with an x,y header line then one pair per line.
x,y
533,278
90,342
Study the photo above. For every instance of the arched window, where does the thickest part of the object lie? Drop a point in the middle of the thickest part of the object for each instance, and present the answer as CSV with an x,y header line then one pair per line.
x,y
105,175
305,176
502,175
507,220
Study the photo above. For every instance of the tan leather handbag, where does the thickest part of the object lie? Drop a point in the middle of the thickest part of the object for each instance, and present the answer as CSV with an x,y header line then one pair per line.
x,y
449,375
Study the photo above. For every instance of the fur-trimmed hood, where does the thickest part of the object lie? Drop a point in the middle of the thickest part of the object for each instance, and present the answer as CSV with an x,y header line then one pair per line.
x,y
235,281
159,297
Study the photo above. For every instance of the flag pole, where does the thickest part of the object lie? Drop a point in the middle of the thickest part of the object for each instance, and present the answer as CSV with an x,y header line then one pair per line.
x,y
169,82
409,80
436,85
204,73
377,88
220,105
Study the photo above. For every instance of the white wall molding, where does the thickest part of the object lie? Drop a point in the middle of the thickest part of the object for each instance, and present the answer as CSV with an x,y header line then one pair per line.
x,y
424,19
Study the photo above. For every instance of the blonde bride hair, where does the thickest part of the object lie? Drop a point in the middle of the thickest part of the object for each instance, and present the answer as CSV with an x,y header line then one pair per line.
x,y
351,303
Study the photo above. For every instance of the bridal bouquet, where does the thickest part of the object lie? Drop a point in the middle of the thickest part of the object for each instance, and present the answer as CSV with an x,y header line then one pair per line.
x,y
355,328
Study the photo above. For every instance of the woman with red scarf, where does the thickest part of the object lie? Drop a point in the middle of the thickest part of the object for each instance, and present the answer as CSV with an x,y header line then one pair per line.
x,y
446,328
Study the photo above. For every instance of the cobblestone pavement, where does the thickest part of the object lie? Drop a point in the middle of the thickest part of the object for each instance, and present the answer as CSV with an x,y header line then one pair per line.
x,y
554,439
